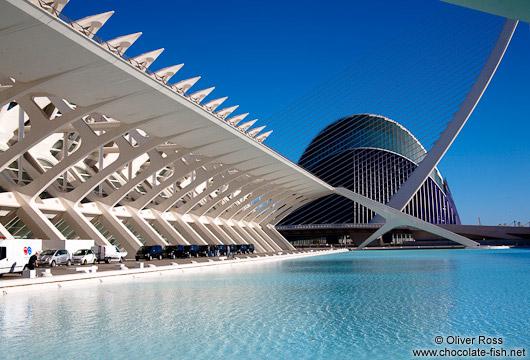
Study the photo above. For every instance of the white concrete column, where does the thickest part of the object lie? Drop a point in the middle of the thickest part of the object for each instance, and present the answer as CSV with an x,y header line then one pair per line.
x,y
250,237
187,231
206,234
169,232
37,222
149,235
271,230
81,225
249,227
118,229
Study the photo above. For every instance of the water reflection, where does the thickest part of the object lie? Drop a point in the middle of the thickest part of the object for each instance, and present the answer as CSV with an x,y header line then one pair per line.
x,y
358,304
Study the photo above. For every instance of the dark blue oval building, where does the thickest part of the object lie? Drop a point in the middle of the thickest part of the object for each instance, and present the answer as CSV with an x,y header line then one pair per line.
x,y
373,156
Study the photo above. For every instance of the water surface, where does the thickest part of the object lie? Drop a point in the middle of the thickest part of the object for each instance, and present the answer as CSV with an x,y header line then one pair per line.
x,y
368,305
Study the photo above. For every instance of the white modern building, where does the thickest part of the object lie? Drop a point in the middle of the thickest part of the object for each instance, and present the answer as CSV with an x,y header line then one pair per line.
x,y
97,145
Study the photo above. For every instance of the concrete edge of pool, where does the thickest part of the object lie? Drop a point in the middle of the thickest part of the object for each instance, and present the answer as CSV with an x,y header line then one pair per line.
x,y
76,279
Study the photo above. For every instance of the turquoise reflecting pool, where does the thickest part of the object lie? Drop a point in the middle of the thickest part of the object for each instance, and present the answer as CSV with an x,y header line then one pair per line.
x,y
368,305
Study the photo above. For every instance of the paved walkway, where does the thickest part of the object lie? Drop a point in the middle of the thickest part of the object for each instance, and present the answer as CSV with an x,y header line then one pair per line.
x,y
67,276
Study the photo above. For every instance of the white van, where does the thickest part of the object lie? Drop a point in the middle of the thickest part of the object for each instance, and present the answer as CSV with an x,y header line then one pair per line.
x,y
108,253
15,254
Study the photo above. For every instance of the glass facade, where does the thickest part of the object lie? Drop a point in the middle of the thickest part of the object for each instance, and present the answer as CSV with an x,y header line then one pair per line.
x,y
372,156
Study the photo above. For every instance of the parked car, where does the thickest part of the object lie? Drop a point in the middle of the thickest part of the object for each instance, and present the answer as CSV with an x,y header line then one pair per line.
x,y
55,257
170,251
149,252
108,253
84,256
193,251
190,251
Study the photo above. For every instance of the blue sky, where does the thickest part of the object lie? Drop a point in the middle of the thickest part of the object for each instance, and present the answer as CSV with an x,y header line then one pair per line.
x,y
265,55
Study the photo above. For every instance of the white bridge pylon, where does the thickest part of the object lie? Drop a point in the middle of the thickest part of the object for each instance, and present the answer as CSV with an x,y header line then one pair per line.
x,y
409,188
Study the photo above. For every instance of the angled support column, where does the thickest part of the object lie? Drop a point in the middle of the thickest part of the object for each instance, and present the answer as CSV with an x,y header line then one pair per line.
x,y
41,128
242,215
221,233
277,196
268,238
250,238
166,229
150,236
127,154
81,225
261,214
206,234
234,185
4,232
187,231
152,193
87,146
37,222
280,198
154,167
237,238
200,178
220,180
273,233
116,227
252,229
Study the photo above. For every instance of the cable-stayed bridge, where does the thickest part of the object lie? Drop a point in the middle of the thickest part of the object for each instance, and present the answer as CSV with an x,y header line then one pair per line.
x,y
96,145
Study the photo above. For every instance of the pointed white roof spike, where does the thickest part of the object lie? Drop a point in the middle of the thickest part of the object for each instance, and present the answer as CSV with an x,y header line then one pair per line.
x,y
57,5
145,60
262,137
199,96
236,119
246,125
167,73
184,85
122,43
93,23
255,131
226,111
214,104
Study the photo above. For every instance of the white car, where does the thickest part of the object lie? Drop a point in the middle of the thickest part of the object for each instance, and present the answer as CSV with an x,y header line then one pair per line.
x,y
84,256
55,257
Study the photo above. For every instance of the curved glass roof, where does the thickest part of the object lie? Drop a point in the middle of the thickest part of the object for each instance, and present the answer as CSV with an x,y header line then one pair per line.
x,y
365,131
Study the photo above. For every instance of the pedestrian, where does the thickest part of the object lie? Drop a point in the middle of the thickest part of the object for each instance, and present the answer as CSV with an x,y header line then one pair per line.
x,y
33,263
